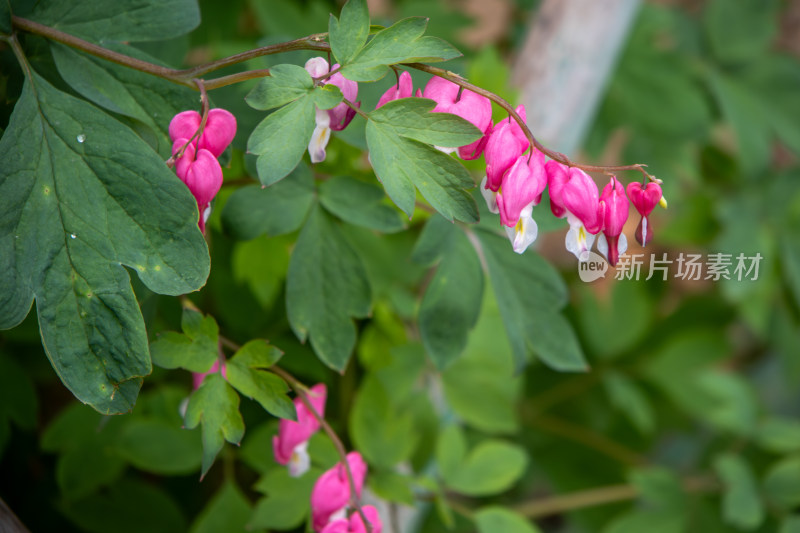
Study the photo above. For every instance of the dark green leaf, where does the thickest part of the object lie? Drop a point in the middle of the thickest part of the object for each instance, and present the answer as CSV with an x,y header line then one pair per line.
x,y
216,405
349,32
531,316
628,398
741,503
82,470
98,199
157,446
326,286
264,387
5,17
782,483
281,139
274,210
359,203
495,519
740,31
122,20
18,401
285,83
122,90
413,118
401,164
286,503
452,302
400,43
229,510
435,238
128,507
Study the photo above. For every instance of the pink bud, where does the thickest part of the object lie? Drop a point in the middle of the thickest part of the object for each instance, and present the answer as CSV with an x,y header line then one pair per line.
x,y
644,200
522,186
342,114
291,433
580,197
466,104
316,67
331,492
402,89
204,177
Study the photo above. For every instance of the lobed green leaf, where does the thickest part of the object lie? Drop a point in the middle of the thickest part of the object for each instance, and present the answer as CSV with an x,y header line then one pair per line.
x,y
349,32
359,203
413,118
285,83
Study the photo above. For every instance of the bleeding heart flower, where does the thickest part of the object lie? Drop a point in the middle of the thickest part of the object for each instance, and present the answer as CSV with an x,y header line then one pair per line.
x,y
557,177
331,494
290,446
644,200
335,119
506,143
614,212
521,190
477,109
580,199
403,89
200,171
218,133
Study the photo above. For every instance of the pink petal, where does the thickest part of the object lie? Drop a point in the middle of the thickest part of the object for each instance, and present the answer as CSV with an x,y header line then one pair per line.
x,y
644,199
522,186
183,163
184,125
470,106
616,208
291,433
331,492
402,89
204,177
357,525
557,177
580,197
502,150
219,131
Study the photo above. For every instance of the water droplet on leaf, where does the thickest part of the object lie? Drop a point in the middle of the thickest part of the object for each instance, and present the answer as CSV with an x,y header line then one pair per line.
x,y
73,235
81,138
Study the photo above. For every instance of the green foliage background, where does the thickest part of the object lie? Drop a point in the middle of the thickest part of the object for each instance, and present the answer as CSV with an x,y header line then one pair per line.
x,y
691,395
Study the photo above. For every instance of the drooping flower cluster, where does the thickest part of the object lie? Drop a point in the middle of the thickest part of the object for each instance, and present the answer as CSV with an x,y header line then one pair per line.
x,y
290,446
331,497
517,174
335,119
196,161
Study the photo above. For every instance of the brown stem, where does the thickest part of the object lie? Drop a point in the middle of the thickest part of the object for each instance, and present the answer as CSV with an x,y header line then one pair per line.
x,y
603,495
302,393
552,154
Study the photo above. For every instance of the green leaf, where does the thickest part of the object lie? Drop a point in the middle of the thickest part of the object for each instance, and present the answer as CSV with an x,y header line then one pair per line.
x,y
327,96
782,483
128,507
281,139
286,503
392,486
285,83
99,199
196,350
275,210
401,42
740,31
451,450
257,353
495,518
216,405
779,435
452,302
359,203
414,118
125,91
264,387
401,164
122,20
349,32
177,451
530,294
382,432
741,503
628,398
229,510
492,467
326,286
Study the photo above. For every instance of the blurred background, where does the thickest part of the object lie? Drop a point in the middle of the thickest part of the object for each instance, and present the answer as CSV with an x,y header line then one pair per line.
x,y
689,419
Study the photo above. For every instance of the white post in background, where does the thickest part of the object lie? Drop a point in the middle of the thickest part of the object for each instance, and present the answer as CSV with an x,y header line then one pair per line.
x,y
564,65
